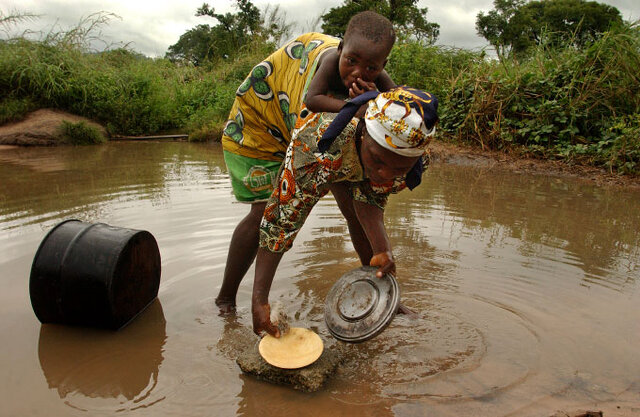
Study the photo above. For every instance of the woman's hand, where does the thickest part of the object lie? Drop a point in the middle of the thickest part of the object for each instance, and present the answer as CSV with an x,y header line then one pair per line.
x,y
262,321
361,86
385,263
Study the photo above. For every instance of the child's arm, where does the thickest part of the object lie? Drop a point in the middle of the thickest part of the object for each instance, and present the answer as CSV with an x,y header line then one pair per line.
x,y
372,220
317,99
382,83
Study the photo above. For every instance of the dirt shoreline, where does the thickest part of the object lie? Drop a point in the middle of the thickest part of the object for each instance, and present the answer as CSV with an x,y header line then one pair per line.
x,y
448,153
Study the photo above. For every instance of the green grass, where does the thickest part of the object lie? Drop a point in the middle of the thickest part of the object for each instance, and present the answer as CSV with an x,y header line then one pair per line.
x,y
128,93
80,133
14,109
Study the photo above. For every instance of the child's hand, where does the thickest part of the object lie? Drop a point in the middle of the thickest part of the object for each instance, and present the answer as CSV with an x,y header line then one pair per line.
x,y
361,86
385,262
262,322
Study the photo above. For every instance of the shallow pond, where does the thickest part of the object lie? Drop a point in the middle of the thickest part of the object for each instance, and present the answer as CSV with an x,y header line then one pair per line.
x,y
526,287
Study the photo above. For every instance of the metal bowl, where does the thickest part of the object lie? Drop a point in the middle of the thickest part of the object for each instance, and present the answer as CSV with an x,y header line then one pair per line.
x,y
360,305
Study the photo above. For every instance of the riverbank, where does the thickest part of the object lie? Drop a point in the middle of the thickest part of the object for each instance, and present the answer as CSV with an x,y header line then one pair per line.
x,y
41,128
458,154
564,102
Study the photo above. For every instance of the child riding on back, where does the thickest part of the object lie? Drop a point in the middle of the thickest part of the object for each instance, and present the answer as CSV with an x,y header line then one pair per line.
x,y
313,73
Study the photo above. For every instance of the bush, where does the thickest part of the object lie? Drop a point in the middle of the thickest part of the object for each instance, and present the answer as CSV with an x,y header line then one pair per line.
x,y
565,103
80,133
208,133
14,109
620,147
430,68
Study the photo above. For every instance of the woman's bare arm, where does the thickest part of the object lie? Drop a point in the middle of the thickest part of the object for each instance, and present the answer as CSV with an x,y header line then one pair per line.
x,y
372,220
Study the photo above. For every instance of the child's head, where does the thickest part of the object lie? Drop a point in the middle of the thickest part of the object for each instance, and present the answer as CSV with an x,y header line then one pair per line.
x,y
398,128
367,42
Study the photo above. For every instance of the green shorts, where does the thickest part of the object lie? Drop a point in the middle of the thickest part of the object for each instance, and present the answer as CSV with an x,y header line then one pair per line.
x,y
252,179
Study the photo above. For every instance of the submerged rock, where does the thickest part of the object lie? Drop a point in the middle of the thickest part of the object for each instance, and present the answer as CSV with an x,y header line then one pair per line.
x,y
579,413
310,378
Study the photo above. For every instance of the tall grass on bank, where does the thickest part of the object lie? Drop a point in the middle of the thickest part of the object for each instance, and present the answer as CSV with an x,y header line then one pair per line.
x,y
129,93
560,103
432,68
564,103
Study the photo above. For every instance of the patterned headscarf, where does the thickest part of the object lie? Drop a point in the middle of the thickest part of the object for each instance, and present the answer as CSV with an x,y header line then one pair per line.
x,y
402,120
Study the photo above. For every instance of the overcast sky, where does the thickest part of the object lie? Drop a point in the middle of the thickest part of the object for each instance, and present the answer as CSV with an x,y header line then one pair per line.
x,y
150,27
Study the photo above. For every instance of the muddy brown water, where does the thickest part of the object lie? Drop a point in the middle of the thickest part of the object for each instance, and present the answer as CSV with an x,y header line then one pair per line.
x,y
526,287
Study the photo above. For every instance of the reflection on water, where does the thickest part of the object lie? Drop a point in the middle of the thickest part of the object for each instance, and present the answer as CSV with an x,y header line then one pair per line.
x,y
597,228
80,362
78,181
526,289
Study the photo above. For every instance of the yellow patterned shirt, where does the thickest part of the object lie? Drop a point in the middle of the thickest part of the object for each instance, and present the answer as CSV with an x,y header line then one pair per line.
x,y
270,99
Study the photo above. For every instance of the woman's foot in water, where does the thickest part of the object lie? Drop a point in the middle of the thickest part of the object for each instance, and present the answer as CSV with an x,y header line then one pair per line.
x,y
226,307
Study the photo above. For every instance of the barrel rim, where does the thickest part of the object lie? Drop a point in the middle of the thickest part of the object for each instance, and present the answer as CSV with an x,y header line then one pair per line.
x,y
110,294
37,256
45,239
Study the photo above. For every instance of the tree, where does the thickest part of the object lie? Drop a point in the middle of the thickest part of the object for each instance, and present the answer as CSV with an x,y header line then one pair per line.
x,y
515,26
195,45
205,42
494,26
240,25
407,18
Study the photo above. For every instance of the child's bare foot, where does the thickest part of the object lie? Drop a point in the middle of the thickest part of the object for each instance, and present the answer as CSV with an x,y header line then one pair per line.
x,y
403,309
227,307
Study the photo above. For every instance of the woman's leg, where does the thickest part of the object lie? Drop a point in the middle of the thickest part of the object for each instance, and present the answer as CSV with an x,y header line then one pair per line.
x,y
242,252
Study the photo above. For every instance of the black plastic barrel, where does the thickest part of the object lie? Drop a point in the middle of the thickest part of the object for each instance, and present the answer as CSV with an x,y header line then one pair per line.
x,y
94,274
